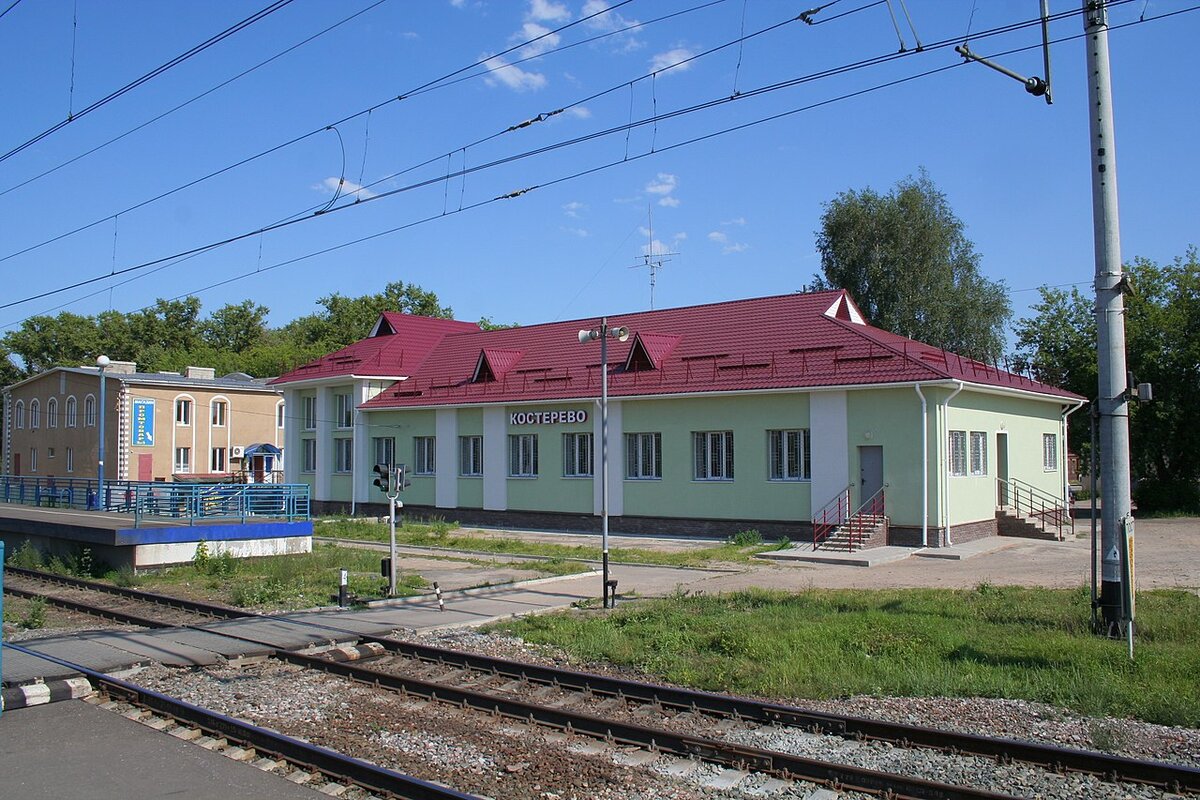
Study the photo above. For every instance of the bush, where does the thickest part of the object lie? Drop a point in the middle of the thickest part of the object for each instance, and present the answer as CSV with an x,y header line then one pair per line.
x,y
25,557
35,617
1166,497
221,565
746,538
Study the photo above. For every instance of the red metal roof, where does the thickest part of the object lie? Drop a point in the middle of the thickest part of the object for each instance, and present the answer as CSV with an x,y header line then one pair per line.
x,y
399,353
787,341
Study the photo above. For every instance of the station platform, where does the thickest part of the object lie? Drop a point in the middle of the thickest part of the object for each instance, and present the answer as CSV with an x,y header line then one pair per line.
x,y
123,541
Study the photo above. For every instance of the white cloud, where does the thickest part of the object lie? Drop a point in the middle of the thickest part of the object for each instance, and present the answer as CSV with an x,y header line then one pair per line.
x,y
601,19
664,183
573,208
458,3
735,221
679,237
727,247
330,185
738,247
669,202
672,58
581,112
545,39
655,248
718,237
547,11
582,233
512,76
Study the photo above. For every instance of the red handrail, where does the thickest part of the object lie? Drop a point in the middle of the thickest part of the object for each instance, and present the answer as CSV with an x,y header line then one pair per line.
x,y
832,515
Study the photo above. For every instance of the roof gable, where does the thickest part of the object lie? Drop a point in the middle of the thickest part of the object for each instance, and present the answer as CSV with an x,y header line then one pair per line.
x,y
494,363
649,350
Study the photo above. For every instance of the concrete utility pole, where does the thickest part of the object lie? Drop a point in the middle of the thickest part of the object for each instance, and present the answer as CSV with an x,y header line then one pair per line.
x,y
1112,399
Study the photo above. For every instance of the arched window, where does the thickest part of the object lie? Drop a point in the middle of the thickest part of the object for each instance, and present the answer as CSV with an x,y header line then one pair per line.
x,y
72,411
89,411
19,414
219,413
52,413
35,415
183,410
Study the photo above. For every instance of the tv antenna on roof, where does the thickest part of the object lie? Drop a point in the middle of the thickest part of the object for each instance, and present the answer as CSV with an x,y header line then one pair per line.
x,y
652,260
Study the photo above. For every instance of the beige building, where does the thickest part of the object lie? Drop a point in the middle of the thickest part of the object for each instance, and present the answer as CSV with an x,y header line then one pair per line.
x,y
159,426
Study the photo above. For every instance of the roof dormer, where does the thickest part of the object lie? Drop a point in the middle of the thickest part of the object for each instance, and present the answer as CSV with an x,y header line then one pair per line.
x,y
649,350
844,309
494,363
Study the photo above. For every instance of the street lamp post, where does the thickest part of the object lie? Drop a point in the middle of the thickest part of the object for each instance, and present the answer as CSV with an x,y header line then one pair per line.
x,y
603,333
101,363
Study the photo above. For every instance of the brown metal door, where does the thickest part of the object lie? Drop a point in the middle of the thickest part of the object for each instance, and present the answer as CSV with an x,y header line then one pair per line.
x,y
145,467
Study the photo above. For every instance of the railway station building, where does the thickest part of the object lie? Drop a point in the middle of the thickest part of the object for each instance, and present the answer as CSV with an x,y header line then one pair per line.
x,y
159,426
766,413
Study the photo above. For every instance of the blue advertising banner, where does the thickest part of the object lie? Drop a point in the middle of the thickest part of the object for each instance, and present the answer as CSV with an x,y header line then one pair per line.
x,y
142,430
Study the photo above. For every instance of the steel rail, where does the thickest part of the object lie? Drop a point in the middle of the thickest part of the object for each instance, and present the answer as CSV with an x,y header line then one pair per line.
x,y
95,611
310,756
195,606
784,765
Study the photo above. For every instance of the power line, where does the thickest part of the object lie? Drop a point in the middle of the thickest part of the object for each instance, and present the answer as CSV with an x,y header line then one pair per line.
x,y
154,73
186,103
10,8
427,86
581,139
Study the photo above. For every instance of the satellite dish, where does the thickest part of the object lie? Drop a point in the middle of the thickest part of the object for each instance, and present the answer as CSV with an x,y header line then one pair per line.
x,y
621,334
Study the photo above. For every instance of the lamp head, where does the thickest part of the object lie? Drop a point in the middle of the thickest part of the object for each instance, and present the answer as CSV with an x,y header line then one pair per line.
x,y
621,334
587,336
102,361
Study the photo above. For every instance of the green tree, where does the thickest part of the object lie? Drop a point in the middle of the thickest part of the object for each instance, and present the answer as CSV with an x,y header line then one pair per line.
x,y
235,326
1162,338
43,342
348,319
907,262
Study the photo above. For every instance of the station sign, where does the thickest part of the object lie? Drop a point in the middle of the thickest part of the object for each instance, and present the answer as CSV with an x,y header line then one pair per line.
x,y
142,430
570,417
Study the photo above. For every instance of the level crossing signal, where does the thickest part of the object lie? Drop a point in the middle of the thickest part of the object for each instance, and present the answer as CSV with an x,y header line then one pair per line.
x,y
383,477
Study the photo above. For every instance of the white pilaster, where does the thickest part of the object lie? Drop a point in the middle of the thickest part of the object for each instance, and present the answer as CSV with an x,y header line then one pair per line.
x,y
495,460
445,457
830,446
324,486
362,455
292,424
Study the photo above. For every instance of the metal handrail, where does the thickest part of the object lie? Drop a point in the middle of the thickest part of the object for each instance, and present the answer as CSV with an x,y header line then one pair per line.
x,y
833,514
874,506
1047,509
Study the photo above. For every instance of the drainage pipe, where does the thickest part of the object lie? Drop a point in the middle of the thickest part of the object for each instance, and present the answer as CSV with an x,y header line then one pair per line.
x,y
924,466
946,422
1063,450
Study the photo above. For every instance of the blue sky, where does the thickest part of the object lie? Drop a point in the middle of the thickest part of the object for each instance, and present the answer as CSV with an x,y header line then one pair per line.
x,y
740,209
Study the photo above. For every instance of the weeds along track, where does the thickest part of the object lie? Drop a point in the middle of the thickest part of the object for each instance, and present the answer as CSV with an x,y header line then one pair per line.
x,y
131,606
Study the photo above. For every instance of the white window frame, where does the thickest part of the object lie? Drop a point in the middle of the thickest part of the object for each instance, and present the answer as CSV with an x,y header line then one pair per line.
x,y
280,417
33,459
52,413
219,412
70,459
344,405
978,453
89,411
35,414
712,456
424,455
308,455
72,412
956,454
19,414
643,456
1050,452
50,452
183,461
789,455
183,411
470,456
384,448
310,412
578,455
343,454
218,460
522,455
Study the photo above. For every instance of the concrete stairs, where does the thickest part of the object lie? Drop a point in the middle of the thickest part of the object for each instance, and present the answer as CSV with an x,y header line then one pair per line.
x,y
1010,522
860,532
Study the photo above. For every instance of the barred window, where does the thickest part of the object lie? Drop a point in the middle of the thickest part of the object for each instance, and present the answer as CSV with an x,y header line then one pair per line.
x,y
978,453
523,455
643,456
470,456
713,455
577,455
790,456
423,456
958,453
1050,452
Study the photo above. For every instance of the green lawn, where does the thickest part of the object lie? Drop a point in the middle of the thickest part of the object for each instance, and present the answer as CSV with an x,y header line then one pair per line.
x,y
441,535
1008,642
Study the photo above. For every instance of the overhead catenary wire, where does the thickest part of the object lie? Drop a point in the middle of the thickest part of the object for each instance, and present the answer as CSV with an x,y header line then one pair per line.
x,y
154,73
427,86
597,134
10,7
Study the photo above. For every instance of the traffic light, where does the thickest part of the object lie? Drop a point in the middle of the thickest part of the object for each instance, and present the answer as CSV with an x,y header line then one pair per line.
x,y
382,475
402,481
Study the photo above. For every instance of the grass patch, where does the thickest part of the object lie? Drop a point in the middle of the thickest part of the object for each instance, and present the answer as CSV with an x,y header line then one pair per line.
x,y
275,582
741,547
1004,642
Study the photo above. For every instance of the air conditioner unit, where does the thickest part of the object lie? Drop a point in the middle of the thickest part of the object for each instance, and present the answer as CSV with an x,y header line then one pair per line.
x,y
237,451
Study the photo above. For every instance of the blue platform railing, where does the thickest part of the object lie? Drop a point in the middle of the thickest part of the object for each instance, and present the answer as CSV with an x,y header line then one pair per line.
x,y
155,500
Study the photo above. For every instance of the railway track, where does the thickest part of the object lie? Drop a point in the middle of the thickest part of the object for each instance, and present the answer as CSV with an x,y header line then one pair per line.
x,y
622,710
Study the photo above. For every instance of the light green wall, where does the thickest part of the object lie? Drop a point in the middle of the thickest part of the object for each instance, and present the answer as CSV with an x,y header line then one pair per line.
x,y
404,427
891,419
550,491
750,495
